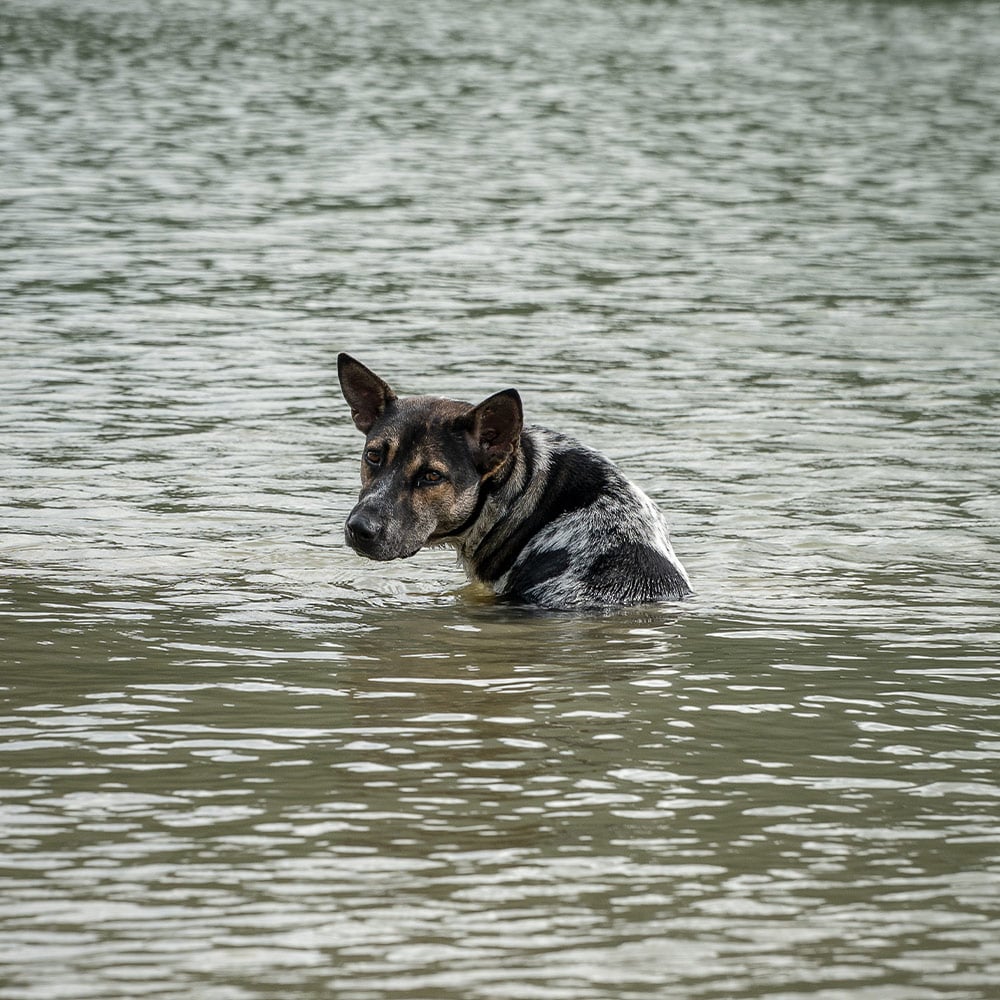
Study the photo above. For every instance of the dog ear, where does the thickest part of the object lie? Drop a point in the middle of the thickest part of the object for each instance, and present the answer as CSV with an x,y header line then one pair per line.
x,y
495,428
367,395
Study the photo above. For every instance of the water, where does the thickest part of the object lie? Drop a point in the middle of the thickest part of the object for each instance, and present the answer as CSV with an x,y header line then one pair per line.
x,y
747,249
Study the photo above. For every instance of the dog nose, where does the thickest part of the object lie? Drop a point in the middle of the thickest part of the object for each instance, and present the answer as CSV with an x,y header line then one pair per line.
x,y
362,527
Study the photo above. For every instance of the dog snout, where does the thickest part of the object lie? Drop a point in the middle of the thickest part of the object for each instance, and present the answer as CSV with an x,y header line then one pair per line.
x,y
362,528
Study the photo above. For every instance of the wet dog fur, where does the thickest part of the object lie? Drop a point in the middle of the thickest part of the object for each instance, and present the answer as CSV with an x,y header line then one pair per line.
x,y
539,517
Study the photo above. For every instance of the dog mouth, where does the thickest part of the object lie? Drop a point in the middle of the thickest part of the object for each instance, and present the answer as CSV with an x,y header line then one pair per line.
x,y
378,553
385,556
370,535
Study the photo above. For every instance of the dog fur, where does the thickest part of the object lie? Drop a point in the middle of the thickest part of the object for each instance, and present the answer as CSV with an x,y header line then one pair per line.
x,y
539,517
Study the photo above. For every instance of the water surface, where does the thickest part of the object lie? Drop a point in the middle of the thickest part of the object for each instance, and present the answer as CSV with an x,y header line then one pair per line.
x,y
749,251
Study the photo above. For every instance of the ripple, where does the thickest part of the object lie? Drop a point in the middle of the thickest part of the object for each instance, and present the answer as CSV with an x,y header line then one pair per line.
x,y
754,269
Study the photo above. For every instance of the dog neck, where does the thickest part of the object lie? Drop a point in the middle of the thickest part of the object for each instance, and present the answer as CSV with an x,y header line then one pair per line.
x,y
502,508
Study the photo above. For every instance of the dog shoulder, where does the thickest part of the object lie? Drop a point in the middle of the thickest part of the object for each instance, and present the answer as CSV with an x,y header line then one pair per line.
x,y
598,539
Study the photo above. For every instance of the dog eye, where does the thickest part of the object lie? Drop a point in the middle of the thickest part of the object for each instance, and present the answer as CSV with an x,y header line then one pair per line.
x,y
373,456
431,477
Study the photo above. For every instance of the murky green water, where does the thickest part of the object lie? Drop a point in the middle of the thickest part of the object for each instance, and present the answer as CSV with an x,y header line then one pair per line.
x,y
747,249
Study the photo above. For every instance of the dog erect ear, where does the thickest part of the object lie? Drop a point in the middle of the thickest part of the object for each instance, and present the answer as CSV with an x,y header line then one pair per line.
x,y
495,428
365,392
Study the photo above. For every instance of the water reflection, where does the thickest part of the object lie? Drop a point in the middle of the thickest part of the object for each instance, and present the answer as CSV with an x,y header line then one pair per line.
x,y
416,808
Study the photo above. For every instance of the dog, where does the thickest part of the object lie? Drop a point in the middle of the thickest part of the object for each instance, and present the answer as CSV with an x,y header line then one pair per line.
x,y
540,518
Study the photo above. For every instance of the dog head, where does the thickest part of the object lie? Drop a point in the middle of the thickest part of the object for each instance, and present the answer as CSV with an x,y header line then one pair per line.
x,y
425,463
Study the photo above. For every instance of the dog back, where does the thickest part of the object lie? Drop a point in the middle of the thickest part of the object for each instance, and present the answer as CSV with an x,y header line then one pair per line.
x,y
570,531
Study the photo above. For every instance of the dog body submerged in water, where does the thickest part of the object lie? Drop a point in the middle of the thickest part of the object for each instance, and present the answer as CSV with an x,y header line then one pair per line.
x,y
537,516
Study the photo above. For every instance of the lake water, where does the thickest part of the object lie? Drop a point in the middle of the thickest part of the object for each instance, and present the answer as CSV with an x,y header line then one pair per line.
x,y
749,250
